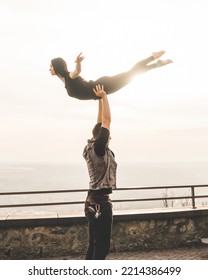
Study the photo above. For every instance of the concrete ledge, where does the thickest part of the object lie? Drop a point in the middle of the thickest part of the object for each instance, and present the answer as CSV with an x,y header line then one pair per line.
x,y
162,214
39,220
7,221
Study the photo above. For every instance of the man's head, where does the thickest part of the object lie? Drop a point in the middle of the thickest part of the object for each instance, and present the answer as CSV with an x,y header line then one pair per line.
x,y
96,130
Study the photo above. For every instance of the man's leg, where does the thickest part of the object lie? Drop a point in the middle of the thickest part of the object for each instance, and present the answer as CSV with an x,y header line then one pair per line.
x,y
90,219
103,232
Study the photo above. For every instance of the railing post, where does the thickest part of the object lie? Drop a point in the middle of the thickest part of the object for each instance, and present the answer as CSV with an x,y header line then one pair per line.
x,y
193,197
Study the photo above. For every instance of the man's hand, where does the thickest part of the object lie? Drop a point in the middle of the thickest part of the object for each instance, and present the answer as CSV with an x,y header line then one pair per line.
x,y
79,58
99,91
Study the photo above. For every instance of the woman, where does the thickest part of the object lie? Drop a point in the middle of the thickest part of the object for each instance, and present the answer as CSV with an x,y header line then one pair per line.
x,y
81,89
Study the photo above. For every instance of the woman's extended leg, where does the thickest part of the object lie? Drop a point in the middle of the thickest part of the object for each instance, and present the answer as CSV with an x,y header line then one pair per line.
x,y
115,83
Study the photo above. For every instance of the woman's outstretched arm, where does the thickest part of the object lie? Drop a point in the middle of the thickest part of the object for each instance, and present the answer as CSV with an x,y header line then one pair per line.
x,y
74,74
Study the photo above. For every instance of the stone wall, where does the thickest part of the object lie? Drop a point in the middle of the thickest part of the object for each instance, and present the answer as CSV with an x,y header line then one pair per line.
x,y
37,238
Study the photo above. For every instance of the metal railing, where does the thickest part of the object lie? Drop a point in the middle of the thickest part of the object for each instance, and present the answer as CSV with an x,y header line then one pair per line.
x,y
192,196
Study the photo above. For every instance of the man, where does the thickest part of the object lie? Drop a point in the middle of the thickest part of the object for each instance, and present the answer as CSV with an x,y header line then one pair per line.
x,y
102,172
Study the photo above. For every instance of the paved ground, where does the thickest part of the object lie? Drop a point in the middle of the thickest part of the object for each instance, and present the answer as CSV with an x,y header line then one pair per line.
x,y
192,253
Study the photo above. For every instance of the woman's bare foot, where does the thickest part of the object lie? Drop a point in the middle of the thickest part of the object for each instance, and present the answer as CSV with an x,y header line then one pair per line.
x,y
157,54
161,63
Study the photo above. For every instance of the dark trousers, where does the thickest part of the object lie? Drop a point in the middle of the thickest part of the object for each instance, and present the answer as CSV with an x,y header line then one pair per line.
x,y
99,231
114,83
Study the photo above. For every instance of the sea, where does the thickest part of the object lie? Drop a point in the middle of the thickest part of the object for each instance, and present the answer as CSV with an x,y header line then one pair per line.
x,y
23,177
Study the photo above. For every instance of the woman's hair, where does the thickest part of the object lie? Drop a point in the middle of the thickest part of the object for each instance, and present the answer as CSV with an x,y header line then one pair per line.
x,y
96,130
59,66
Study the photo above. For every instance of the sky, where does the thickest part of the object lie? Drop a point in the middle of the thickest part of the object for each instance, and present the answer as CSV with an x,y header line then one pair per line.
x,y
161,116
